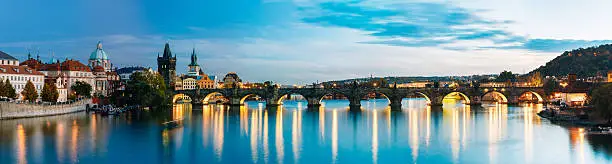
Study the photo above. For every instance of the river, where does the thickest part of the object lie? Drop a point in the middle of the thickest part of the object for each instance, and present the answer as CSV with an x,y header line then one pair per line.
x,y
455,133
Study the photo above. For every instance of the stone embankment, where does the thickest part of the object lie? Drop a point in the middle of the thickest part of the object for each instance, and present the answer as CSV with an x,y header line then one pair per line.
x,y
11,110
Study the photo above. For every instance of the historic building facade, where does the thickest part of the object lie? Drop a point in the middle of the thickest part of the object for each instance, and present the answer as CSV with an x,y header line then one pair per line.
x,y
166,66
195,77
19,75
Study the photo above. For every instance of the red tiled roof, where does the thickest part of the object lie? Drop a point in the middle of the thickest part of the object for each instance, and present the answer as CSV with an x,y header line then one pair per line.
x,y
73,65
21,70
32,63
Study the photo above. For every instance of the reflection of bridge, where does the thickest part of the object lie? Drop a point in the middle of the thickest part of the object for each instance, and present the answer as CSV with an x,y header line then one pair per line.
x,y
275,96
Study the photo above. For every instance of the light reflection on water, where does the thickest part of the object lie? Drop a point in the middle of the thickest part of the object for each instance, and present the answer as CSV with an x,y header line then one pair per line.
x,y
456,133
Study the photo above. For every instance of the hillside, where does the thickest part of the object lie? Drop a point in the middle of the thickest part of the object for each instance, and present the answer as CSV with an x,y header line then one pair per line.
x,y
583,62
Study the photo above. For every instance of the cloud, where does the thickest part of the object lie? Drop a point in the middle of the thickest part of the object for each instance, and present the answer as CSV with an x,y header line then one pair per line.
x,y
429,24
413,24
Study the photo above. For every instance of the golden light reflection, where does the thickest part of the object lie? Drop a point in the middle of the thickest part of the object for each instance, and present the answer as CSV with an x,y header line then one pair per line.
x,y
206,113
528,133
296,133
244,121
334,135
374,136
413,133
455,133
93,126
427,125
253,135
322,125
21,145
219,132
497,118
467,112
578,142
74,141
59,141
279,141
265,137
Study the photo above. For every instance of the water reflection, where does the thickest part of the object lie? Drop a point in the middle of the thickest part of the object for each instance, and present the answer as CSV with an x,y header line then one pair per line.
x,y
455,133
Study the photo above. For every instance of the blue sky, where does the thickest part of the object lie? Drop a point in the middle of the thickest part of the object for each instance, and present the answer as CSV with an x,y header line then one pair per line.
x,y
304,41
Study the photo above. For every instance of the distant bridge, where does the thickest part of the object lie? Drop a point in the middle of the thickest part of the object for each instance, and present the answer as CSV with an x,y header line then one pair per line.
x,y
434,96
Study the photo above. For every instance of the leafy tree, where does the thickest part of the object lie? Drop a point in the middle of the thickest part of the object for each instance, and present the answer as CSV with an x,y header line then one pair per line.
x,y
2,89
436,84
81,89
550,86
49,93
146,88
9,90
535,79
29,93
506,76
601,99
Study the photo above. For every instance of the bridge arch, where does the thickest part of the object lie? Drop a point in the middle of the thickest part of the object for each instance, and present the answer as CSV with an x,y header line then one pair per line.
x,y
181,97
539,97
462,95
243,99
209,96
502,98
368,94
284,97
425,96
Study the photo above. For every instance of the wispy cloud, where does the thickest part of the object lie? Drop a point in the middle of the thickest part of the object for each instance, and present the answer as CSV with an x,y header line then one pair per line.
x,y
429,24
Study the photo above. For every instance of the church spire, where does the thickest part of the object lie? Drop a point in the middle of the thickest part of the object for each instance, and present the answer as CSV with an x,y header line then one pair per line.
x,y
167,53
194,58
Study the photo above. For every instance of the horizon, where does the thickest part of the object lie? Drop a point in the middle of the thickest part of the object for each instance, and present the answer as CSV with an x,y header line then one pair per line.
x,y
297,42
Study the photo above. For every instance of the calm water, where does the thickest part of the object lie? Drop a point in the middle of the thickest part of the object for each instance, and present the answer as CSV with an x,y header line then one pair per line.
x,y
331,134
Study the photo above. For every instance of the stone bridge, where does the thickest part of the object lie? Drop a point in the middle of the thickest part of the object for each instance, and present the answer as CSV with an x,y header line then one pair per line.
x,y
275,96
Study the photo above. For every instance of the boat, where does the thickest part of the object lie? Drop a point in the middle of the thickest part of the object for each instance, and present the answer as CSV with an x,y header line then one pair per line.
x,y
599,130
172,124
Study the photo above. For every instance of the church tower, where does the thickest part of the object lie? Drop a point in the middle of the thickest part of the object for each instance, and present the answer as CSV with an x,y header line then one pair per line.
x,y
194,68
166,66
99,58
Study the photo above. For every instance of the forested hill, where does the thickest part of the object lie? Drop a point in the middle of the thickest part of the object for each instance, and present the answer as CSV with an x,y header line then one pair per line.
x,y
583,62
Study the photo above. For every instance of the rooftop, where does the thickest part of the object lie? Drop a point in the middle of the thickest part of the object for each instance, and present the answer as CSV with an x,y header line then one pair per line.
x,y
5,56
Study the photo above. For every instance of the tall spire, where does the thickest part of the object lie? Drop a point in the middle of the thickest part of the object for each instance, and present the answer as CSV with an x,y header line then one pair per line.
x,y
194,58
167,53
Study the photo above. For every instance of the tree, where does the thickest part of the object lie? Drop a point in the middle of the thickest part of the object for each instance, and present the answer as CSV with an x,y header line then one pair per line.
x,y
81,89
9,90
2,90
436,84
506,76
146,88
29,93
535,79
601,99
49,93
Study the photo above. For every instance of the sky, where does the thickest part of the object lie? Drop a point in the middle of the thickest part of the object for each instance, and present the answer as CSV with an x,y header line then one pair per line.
x,y
302,41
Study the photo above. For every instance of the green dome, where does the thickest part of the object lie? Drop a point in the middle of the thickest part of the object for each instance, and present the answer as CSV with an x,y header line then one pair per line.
x,y
98,54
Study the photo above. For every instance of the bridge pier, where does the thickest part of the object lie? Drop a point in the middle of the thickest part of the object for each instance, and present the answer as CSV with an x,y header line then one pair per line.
x,y
355,104
395,104
313,102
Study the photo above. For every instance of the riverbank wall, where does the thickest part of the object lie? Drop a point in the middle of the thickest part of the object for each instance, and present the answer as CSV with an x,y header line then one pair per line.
x,y
10,110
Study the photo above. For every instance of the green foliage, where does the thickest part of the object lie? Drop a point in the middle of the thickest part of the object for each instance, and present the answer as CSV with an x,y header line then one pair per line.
x,y
506,76
29,93
550,86
146,88
601,99
583,62
9,90
2,90
49,93
81,89
535,79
